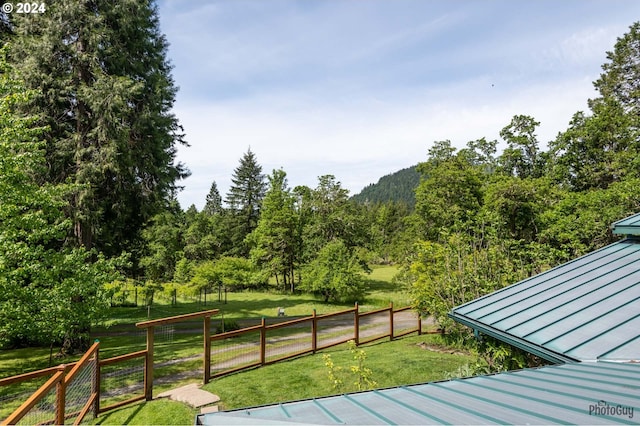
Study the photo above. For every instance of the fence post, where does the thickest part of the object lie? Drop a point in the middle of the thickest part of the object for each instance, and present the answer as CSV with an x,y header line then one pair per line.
x,y
207,349
96,383
391,321
356,325
314,332
148,365
61,394
263,342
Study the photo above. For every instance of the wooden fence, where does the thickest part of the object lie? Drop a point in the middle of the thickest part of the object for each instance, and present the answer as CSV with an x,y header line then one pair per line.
x,y
266,344
71,391
57,400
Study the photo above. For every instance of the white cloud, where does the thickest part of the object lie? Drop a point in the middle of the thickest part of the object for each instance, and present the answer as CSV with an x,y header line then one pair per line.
x,y
362,89
361,140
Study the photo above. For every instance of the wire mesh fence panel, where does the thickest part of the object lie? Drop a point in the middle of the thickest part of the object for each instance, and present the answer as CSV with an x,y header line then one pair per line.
x,y
164,334
44,412
335,329
233,353
373,326
287,341
13,395
405,322
78,391
179,359
121,381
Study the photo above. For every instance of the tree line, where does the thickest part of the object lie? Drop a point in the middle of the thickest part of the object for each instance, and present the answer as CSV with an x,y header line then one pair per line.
x,y
301,238
88,188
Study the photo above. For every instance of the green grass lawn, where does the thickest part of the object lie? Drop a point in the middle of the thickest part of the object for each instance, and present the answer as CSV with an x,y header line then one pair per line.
x,y
400,362
254,304
119,336
157,412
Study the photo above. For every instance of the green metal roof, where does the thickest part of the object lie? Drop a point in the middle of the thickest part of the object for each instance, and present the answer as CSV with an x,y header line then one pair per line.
x,y
587,309
627,226
579,393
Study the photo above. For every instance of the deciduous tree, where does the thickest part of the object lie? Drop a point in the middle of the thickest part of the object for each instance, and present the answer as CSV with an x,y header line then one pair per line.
x,y
49,292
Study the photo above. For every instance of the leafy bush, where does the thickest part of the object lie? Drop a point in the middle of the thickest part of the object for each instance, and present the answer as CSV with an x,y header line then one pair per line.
x,y
234,273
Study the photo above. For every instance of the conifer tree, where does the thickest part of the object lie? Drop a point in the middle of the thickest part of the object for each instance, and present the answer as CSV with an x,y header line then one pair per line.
x,y
214,201
105,92
49,293
244,200
274,240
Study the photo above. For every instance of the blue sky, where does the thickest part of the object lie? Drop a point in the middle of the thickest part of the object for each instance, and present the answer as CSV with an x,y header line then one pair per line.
x,y
362,88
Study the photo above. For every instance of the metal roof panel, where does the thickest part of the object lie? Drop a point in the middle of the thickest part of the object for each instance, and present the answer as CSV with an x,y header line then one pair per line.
x,y
627,226
586,309
558,394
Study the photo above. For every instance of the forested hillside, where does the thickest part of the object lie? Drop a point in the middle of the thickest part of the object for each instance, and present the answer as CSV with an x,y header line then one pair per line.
x,y
398,187
88,184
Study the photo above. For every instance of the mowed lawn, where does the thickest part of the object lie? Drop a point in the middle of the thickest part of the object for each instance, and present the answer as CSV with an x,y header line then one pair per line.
x,y
304,377
408,360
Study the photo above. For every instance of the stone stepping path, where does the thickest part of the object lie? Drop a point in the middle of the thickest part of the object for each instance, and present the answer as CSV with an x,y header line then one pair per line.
x,y
193,396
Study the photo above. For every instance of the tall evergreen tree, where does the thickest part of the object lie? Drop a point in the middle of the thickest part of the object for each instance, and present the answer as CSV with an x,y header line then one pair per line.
x,y
274,239
105,93
48,293
213,204
244,200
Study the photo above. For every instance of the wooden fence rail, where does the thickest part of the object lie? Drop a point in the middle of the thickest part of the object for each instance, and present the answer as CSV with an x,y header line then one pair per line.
x,y
62,377
61,381
260,345
291,339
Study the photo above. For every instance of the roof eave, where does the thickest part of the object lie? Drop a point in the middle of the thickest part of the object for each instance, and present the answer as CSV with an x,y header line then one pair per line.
x,y
629,231
534,349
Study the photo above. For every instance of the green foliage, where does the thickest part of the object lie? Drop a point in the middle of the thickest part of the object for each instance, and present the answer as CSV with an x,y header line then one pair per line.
x,y
387,231
494,356
335,274
448,274
244,201
275,240
120,292
522,156
580,222
185,271
620,80
104,90
330,216
362,374
49,293
213,203
450,194
164,244
235,273
596,150
203,236
149,290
